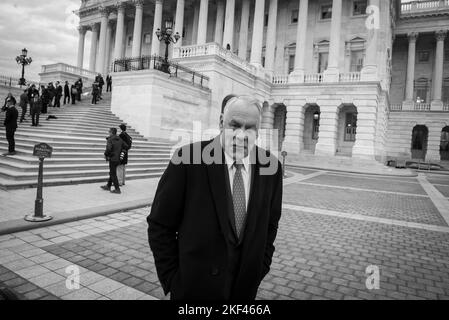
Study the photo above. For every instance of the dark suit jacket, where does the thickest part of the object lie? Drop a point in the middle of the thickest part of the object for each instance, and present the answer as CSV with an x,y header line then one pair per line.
x,y
11,118
190,231
114,146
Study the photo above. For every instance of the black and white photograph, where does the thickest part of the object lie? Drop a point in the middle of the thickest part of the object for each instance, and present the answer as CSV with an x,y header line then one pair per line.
x,y
224,156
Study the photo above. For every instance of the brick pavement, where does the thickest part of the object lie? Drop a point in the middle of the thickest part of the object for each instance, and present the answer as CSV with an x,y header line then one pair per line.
x,y
318,256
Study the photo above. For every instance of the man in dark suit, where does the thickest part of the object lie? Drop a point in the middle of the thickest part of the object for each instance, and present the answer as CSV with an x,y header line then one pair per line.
x,y
216,211
10,124
114,147
66,93
23,103
58,95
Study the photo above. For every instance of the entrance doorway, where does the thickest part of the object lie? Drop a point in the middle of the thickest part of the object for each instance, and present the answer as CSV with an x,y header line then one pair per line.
x,y
420,135
347,130
311,127
444,144
280,118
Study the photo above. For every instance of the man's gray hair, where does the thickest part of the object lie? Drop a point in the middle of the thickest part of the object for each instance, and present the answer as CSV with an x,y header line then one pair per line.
x,y
247,99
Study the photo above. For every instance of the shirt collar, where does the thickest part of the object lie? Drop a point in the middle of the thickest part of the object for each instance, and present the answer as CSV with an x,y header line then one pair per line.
x,y
230,161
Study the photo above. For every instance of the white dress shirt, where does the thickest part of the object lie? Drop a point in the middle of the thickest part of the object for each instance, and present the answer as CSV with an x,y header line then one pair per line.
x,y
246,174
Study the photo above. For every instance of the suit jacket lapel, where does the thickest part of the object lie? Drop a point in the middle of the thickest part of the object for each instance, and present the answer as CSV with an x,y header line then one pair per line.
x,y
217,182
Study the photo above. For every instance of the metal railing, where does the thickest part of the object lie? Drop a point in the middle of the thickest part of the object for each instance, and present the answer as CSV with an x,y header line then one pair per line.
x,y
158,63
419,6
14,82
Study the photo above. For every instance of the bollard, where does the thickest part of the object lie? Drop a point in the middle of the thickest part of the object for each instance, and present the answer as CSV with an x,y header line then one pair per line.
x,y
284,154
41,150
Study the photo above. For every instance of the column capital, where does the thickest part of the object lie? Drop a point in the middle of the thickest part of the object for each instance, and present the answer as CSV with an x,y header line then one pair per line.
x,y
138,3
82,30
104,11
120,6
412,36
94,27
440,35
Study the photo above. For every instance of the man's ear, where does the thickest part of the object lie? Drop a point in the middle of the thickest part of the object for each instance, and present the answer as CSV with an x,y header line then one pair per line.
x,y
221,122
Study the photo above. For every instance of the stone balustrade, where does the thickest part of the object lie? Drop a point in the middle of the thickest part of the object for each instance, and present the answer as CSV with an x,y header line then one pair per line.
x,y
419,107
279,79
423,6
313,78
350,77
63,67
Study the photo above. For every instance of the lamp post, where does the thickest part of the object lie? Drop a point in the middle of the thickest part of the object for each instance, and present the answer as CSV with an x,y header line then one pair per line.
x,y
24,61
166,36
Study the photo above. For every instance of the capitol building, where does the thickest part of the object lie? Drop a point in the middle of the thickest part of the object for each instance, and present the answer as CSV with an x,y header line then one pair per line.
x,y
365,79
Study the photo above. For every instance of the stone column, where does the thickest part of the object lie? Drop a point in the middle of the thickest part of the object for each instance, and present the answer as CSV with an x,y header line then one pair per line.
x,y
179,21
434,140
218,38
196,15
93,47
297,76
137,34
271,36
410,67
256,48
108,47
293,142
202,22
370,71
332,73
82,37
102,45
244,22
228,35
157,24
437,104
119,31
366,130
327,142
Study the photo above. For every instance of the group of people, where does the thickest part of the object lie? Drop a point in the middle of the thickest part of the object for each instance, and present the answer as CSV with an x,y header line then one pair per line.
x,y
97,87
116,153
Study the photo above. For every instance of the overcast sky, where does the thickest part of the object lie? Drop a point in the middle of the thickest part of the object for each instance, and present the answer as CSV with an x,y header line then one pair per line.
x,y
46,28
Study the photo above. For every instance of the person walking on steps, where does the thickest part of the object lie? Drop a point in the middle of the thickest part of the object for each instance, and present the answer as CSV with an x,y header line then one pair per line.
x,y
66,93
121,169
10,124
114,146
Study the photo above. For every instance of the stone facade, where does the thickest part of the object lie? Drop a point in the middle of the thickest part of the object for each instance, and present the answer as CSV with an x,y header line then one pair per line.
x,y
341,77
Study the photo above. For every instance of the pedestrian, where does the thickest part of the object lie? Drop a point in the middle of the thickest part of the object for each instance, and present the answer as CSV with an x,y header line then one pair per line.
x,y
10,124
66,93
58,95
51,94
45,96
121,169
213,222
99,79
114,146
74,93
36,108
79,88
109,83
23,104
32,92
9,97
95,93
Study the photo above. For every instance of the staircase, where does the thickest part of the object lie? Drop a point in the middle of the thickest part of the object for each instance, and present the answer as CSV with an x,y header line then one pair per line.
x,y
78,138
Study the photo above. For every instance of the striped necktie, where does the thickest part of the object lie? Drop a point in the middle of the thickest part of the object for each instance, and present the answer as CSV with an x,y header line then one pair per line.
x,y
239,199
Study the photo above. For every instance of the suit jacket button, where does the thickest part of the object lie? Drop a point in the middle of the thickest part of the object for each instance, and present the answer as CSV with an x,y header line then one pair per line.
x,y
215,271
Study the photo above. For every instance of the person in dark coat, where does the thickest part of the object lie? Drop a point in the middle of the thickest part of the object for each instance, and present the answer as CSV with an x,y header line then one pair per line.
x,y
214,220
66,93
58,95
45,96
121,169
95,93
108,83
100,82
74,93
51,94
9,97
10,124
23,104
114,146
36,108
79,88
32,92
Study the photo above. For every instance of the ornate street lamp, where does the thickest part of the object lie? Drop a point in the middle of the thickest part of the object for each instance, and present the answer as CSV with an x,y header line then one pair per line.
x,y
166,36
24,61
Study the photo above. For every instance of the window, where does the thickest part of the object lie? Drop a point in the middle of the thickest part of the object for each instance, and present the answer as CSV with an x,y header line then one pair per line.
x,y
421,90
184,32
147,38
129,42
326,12
359,8
316,125
445,91
423,56
265,21
351,126
446,56
294,17
356,60
322,61
291,63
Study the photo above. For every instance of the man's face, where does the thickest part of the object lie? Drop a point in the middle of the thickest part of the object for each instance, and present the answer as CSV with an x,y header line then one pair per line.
x,y
239,127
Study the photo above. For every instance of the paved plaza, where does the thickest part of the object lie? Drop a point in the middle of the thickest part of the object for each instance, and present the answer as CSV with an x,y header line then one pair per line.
x,y
334,226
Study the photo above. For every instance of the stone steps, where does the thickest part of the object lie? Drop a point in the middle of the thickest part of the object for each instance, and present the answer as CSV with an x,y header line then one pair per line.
x,y
78,140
